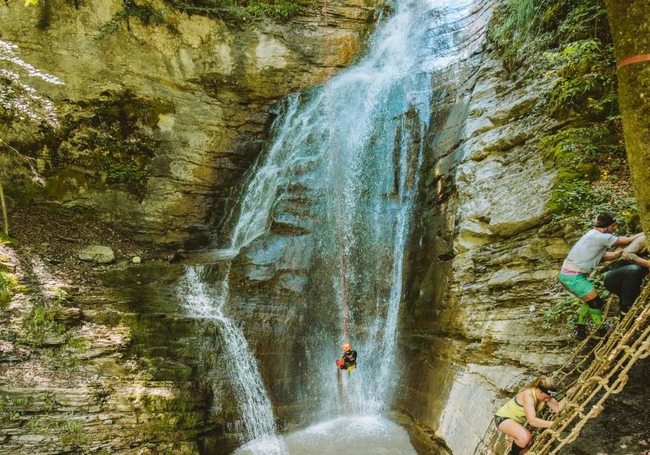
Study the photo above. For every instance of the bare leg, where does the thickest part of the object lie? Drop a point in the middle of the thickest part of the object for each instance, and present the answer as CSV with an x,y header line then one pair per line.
x,y
521,436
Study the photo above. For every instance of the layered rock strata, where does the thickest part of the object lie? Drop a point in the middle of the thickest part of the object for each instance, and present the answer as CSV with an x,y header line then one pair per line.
x,y
192,96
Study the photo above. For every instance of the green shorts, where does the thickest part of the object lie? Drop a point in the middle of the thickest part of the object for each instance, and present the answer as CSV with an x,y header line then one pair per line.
x,y
578,285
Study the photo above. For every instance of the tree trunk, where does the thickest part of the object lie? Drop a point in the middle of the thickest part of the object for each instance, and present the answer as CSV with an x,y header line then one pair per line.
x,y
629,21
5,218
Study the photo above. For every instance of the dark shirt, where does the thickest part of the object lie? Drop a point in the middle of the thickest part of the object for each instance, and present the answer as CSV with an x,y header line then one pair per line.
x,y
350,359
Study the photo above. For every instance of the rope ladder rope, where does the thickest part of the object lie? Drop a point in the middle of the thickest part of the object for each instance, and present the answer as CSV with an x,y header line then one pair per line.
x,y
607,374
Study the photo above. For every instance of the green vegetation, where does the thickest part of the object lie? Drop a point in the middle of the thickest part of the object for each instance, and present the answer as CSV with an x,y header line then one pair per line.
x,y
72,432
8,285
524,28
588,158
588,152
109,141
512,28
13,408
565,310
586,80
40,322
68,431
62,426
173,418
238,11
62,360
232,12
144,12
6,240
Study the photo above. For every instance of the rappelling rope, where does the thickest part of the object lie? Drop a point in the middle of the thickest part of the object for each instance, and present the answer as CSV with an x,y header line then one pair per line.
x,y
337,177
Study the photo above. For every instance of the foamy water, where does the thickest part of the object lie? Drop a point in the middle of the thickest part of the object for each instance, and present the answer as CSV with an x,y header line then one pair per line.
x,y
358,435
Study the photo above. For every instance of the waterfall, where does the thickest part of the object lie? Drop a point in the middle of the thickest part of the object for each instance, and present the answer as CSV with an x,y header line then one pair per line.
x,y
343,170
354,148
252,400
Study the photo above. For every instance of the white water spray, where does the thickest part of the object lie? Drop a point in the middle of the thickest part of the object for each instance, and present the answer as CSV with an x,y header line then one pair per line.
x,y
252,400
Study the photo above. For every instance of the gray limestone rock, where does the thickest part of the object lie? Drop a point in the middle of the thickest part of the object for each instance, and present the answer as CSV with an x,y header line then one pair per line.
x,y
98,254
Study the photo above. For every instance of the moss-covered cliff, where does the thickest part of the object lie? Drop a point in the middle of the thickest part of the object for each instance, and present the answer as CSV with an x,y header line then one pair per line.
x,y
152,123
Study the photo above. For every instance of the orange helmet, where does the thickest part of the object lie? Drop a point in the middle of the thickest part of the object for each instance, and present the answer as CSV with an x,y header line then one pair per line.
x,y
346,347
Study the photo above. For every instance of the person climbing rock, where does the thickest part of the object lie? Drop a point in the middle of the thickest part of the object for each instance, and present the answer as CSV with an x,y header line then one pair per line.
x,y
583,258
624,279
348,361
523,408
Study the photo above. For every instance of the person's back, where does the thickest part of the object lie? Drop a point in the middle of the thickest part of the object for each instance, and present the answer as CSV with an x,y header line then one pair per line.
x,y
587,253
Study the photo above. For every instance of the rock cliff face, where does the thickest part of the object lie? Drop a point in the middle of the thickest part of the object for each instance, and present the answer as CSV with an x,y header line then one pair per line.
x,y
191,106
483,263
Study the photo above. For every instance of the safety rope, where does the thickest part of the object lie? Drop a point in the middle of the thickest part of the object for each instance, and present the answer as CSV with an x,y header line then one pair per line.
x,y
337,178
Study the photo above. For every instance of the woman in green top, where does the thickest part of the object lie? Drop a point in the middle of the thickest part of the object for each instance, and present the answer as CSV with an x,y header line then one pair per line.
x,y
523,408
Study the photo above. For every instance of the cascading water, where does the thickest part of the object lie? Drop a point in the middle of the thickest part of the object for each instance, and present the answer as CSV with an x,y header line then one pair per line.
x,y
254,405
352,149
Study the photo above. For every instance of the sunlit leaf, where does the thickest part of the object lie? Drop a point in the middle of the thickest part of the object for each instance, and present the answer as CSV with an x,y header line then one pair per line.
x,y
31,2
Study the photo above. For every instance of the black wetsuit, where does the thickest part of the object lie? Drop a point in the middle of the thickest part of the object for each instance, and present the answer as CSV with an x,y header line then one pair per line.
x,y
349,359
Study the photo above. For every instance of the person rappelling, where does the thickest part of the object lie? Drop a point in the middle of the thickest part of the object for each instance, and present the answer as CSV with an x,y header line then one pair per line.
x,y
348,360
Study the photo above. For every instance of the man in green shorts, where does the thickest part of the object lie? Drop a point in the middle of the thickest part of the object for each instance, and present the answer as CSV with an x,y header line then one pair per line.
x,y
583,258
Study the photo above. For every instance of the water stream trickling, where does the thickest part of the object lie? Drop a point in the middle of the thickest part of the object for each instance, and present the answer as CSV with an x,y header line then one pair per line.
x,y
343,170
206,303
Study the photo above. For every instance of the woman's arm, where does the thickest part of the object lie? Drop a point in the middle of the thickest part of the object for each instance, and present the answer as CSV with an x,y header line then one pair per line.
x,y
531,413
554,405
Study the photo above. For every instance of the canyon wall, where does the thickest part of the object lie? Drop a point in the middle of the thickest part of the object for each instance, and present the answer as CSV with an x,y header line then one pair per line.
x,y
113,354
158,122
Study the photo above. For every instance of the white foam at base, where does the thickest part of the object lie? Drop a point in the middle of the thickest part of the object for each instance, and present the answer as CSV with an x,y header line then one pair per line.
x,y
361,435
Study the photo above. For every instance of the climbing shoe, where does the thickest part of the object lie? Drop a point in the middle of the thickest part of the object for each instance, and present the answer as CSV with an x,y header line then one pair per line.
x,y
580,333
602,332
608,326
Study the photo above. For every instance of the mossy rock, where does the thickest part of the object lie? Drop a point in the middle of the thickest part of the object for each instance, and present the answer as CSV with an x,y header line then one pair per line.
x,y
6,240
580,172
8,286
